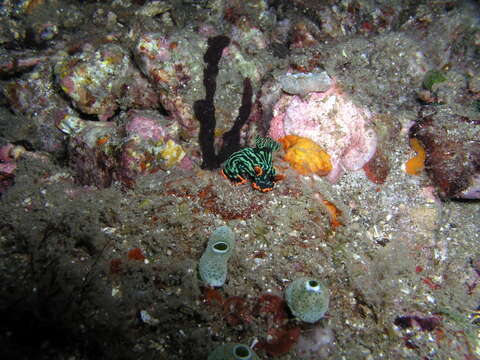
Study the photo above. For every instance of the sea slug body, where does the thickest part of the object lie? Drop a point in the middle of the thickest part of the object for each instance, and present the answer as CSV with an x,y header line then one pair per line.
x,y
253,164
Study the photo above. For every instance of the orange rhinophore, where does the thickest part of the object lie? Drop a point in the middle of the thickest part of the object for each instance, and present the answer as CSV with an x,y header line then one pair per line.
x,y
306,156
417,163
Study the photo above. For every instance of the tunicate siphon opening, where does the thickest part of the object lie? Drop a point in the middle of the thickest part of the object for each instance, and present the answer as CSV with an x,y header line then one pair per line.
x,y
220,247
242,352
313,285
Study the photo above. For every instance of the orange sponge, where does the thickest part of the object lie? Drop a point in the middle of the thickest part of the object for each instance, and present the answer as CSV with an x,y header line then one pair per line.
x,y
305,156
334,213
416,164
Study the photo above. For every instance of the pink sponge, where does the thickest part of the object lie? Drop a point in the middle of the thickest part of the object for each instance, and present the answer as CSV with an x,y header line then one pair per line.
x,y
333,121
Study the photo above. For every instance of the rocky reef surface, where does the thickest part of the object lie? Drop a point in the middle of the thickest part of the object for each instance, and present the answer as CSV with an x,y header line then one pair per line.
x,y
116,117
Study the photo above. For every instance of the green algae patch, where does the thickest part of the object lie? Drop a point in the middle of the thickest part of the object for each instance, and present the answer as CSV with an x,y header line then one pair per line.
x,y
432,78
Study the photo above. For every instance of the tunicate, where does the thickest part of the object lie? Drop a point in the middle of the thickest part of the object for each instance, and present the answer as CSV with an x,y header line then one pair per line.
x,y
233,352
213,263
308,299
304,83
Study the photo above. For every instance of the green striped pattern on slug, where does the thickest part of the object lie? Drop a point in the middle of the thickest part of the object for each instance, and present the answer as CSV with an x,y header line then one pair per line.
x,y
253,164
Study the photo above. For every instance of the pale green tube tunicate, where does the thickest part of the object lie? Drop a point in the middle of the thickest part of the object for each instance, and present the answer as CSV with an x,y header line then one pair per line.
x,y
308,299
233,352
213,263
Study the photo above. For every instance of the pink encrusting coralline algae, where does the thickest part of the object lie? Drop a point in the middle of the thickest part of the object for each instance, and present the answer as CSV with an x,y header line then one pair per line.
x,y
9,154
333,121
147,128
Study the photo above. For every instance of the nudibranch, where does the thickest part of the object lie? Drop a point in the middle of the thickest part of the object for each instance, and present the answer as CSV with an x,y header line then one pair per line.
x,y
253,164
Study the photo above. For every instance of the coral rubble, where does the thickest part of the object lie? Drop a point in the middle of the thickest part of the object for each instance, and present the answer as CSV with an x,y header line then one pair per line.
x,y
113,113
452,152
